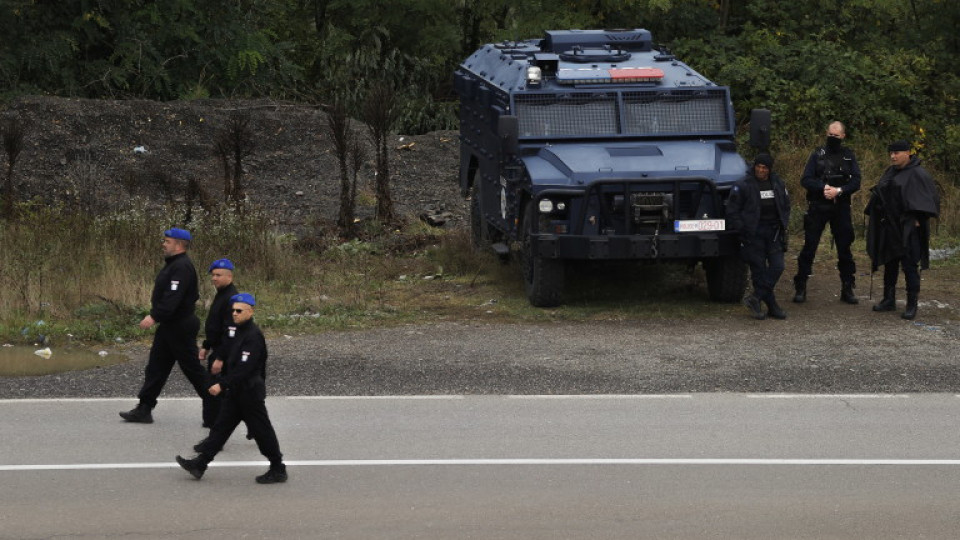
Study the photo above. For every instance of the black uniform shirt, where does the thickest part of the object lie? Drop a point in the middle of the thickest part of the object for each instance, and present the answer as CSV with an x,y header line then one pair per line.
x,y
175,291
837,169
768,204
219,317
246,363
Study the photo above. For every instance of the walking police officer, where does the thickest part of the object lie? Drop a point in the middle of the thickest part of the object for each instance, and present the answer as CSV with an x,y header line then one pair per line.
x,y
244,390
898,235
830,178
759,209
218,323
173,301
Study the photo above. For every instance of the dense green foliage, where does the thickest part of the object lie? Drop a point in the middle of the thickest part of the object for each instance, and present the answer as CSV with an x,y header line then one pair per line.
x,y
886,67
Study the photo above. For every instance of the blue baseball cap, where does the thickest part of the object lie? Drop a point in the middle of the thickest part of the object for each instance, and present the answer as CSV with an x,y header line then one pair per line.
x,y
179,234
220,263
245,298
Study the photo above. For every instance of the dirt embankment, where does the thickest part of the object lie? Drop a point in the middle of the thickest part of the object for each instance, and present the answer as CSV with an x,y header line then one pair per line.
x,y
107,152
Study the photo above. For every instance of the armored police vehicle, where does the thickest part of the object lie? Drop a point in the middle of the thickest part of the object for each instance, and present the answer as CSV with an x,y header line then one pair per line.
x,y
592,145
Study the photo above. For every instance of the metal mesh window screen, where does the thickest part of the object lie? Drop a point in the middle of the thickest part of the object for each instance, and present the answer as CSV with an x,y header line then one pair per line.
x,y
545,115
648,113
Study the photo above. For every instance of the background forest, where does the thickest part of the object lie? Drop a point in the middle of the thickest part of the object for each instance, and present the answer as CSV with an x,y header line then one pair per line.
x,y
887,67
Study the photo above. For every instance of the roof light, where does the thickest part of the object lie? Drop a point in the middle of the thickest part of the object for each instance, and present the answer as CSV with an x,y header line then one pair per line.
x,y
534,76
640,74
609,75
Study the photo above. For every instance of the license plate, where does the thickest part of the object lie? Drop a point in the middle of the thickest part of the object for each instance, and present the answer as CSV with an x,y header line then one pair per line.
x,y
697,225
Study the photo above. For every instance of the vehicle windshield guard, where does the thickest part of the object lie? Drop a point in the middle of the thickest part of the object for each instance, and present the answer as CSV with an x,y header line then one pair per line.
x,y
606,113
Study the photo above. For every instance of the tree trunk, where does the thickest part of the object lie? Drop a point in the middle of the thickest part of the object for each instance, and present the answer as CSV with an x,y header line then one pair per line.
x,y
8,194
384,202
238,194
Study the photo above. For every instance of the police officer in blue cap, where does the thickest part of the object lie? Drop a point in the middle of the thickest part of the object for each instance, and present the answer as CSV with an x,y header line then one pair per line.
x,y
245,392
217,329
172,304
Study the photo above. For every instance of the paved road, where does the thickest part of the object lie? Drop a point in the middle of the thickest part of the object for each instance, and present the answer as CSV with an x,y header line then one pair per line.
x,y
676,466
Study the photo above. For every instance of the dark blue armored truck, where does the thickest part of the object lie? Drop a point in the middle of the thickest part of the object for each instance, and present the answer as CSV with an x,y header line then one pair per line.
x,y
592,145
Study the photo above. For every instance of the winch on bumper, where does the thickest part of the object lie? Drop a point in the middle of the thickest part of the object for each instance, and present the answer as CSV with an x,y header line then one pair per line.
x,y
655,219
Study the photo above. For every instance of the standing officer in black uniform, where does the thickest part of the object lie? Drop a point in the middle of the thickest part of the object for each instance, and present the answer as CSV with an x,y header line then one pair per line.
x,y
172,307
219,319
830,178
900,208
759,209
244,390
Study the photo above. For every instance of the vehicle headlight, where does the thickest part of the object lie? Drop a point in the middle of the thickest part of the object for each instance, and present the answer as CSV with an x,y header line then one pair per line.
x,y
546,206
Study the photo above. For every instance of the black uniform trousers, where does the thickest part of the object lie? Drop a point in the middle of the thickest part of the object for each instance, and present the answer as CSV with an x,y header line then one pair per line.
x,y
245,405
211,404
818,215
910,263
764,255
175,342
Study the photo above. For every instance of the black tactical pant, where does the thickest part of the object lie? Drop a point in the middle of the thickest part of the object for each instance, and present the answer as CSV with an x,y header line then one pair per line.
x,y
910,263
818,215
175,342
211,404
249,406
763,253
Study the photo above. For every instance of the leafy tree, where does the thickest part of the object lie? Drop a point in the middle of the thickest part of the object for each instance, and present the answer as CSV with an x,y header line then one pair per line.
x,y
140,48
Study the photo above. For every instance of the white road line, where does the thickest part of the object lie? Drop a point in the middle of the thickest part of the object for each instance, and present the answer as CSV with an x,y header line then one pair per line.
x,y
828,396
502,462
602,396
445,397
132,400
376,398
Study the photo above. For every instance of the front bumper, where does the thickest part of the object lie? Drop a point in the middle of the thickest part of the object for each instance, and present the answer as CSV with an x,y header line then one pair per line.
x,y
635,219
637,247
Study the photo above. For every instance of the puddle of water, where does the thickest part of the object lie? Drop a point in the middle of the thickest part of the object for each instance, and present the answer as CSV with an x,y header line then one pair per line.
x,y
22,361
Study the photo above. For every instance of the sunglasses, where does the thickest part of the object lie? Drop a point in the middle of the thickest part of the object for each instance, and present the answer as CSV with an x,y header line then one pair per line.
x,y
239,310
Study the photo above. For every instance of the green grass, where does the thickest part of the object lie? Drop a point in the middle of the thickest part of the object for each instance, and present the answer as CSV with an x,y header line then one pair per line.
x,y
89,278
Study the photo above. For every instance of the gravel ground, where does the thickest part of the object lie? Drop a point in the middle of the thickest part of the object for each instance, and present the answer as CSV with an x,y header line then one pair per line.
x,y
805,354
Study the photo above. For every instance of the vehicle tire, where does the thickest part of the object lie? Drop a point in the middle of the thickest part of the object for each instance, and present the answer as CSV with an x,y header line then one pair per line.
x,y
726,278
543,278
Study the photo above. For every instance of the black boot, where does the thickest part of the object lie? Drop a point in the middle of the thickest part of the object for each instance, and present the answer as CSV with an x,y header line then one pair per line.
x,y
199,446
889,302
800,285
139,414
911,312
276,475
196,466
753,304
846,293
774,310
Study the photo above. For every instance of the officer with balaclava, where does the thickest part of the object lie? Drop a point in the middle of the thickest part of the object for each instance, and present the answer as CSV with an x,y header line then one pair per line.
x,y
830,178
